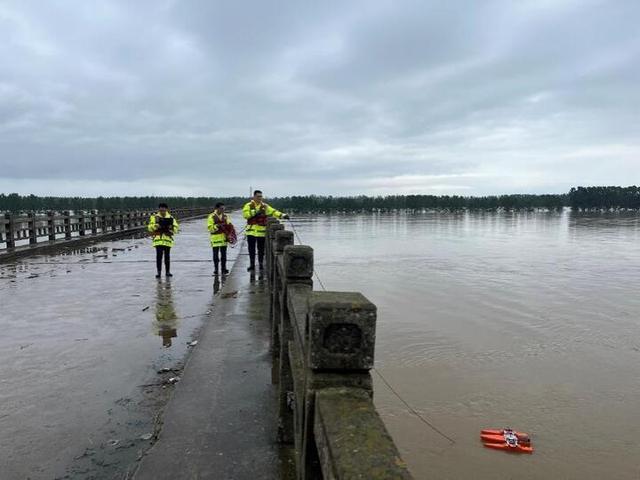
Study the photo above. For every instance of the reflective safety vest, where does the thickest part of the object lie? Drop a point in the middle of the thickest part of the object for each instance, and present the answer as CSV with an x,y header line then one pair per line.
x,y
256,216
215,225
162,229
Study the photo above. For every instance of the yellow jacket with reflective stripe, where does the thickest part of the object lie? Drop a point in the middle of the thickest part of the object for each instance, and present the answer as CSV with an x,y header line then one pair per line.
x,y
162,239
250,210
217,239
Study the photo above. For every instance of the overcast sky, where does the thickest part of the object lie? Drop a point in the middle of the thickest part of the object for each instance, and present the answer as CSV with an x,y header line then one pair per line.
x,y
328,97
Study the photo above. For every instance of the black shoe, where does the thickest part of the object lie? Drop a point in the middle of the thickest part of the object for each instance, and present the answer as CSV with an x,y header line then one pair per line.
x,y
215,273
158,276
169,274
251,268
225,272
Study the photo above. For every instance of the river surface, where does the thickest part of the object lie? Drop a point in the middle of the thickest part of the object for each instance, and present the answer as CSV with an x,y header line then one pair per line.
x,y
487,320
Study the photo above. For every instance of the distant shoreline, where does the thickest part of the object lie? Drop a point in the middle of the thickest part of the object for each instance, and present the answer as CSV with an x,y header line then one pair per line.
x,y
595,198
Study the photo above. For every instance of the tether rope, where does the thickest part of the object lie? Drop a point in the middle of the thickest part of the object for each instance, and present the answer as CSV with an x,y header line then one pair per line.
x,y
384,380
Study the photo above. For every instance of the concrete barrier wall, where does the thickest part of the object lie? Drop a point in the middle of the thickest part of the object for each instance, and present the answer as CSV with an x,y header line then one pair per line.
x,y
323,346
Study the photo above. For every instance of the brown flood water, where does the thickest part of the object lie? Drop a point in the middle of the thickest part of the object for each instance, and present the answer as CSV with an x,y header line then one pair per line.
x,y
487,320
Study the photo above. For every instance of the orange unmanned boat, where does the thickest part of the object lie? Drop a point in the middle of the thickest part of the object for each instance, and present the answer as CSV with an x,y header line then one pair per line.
x,y
507,439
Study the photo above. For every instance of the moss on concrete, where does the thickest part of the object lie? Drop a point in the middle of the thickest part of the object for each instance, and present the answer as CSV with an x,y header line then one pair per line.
x,y
353,443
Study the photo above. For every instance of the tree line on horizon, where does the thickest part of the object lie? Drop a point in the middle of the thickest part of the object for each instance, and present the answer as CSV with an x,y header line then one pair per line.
x,y
578,198
17,203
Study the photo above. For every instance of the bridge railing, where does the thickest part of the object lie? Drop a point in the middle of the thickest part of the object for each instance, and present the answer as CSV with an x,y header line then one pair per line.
x,y
33,228
323,350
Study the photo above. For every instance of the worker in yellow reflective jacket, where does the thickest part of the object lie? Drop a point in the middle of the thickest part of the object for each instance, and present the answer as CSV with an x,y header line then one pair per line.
x,y
219,226
256,212
162,227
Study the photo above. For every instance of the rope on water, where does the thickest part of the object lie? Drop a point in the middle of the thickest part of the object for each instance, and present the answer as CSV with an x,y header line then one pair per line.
x,y
315,272
413,410
384,380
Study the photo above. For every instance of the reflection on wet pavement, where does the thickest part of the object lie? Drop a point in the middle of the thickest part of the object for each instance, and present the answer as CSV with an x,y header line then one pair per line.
x,y
166,323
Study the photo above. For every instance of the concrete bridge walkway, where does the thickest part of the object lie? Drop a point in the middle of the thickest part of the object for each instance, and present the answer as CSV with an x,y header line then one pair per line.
x,y
220,422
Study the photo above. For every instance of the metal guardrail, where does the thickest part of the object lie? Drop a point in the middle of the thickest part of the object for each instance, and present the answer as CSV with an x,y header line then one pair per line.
x,y
35,228
323,350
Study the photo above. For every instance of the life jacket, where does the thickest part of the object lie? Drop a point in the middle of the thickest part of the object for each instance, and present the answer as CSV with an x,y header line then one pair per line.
x,y
260,218
220,220
226,228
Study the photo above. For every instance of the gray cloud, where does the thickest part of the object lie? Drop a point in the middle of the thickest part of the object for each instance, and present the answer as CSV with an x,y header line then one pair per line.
x,y
208,97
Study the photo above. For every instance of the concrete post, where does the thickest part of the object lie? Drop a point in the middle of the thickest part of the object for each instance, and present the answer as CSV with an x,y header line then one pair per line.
x,y
273,225
297,263
342,332
33,232
340,352
10,230
51,226
81,223
269,251
94,222
67,224
283,238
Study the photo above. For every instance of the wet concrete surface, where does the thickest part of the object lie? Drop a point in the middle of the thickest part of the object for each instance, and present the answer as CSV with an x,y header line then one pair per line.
x,y
220,423
84,336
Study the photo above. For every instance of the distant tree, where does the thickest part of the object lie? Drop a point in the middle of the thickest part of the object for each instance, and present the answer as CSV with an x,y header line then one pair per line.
x,y
604,198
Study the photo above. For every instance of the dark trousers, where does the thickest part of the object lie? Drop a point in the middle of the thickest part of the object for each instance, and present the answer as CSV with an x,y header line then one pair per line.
x,y
220,256
161,251
252,242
